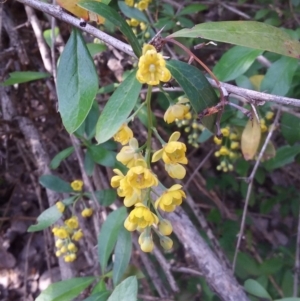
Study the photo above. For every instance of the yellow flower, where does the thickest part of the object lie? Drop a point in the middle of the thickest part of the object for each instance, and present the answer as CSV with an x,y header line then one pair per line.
x,y
77,235
70,257
170,198
131,195
123,135
141,177
60,206
263,127
173,154
152,67
269,115
178,111
142,5
129,155
87,212
225,132
71,247
134,22
233,136
166,243
165,227
59,243
141,217
129,2
143,26
234,145
224,151
115,180
61,233
217,140
72,222
77,185
146,243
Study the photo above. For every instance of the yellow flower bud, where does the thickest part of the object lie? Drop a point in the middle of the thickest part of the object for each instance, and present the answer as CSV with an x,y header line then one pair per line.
x,y
147,244
60,206
63,249
224,151
57,253
87,212
166,243
165,227
72,247
77,235
59,243
72,257
217,140
269,115
225,131
72,222
233,136
234,145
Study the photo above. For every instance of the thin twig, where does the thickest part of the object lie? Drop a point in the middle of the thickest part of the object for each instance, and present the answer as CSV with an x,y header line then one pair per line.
x,y
235,10
188,182
250,182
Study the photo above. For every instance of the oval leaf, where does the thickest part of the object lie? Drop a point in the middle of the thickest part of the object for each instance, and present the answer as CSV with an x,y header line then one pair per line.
x,y
284,155
109,234
77,82
102,156
128,288
196,87
122,255
111,15
65,290
254,288
288,125
19,77
46,219
235,62
118,108
278,79
250,139
244,33
55,183
55,162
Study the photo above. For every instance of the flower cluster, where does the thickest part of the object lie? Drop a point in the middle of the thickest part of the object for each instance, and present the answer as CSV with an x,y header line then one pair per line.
x,y
152,67
141,5
228,150
69,233
66,235
136,185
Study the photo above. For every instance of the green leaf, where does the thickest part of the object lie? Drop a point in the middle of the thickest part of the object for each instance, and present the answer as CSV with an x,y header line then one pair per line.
x,y
77,82
131,12
89,164
254,288
288,125
284,155
250,34
95,48
197,89
19,77
106,197
55,162
109,234
128,288
122,255
235,62
118,108
48,35
278,79
46,219
271,266
102,156
102,296
112,16
192,9
65,290
91,121
55,183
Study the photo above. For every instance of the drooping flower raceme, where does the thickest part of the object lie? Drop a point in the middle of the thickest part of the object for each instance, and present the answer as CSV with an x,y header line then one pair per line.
x,y
152,67
173,155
